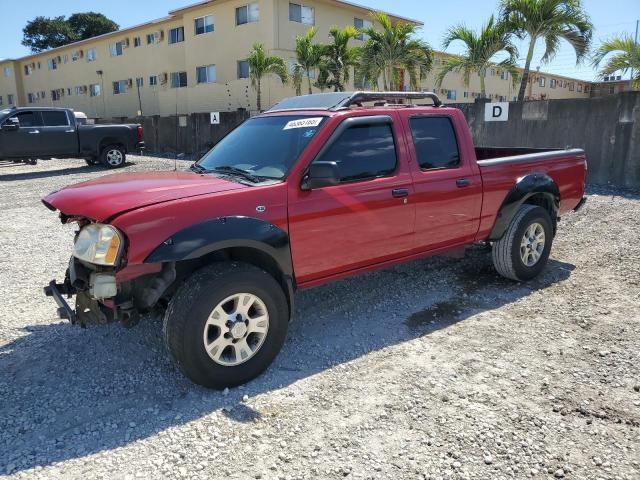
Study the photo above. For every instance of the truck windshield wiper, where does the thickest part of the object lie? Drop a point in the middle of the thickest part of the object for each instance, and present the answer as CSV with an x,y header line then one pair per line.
x,y
197,168
238,171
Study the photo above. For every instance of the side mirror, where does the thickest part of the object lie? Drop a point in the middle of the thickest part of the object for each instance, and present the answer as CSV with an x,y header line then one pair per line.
x,y
321,174
11,125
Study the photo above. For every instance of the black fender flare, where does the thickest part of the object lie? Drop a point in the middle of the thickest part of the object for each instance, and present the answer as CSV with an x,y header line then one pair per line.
x,y
223,233
533,184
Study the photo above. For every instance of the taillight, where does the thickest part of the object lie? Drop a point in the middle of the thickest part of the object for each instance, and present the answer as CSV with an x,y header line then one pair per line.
x,y
140,132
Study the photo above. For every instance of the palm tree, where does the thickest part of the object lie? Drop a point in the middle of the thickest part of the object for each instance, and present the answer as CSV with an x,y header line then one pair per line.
x,y
260,65
393,50
338,58
308,57
627,57
551,21
480,49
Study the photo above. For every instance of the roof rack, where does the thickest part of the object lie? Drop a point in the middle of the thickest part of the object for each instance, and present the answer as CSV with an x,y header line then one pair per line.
x,y
359,97
340,100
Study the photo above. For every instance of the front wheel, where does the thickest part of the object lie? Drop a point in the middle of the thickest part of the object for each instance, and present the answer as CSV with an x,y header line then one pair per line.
x,y
226,324
113,156
523,251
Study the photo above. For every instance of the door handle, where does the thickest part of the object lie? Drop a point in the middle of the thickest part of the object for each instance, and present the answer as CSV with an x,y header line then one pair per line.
x,y
462,182
400,192
33,132
69,131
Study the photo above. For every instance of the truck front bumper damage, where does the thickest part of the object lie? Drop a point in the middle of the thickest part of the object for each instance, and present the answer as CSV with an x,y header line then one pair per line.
x,y
100,300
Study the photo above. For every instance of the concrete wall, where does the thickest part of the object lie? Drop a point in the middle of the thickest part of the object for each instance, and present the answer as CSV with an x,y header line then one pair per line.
x,y
607,128
165,135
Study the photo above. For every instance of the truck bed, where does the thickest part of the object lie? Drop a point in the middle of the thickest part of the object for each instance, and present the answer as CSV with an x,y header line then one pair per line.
x,y
501,168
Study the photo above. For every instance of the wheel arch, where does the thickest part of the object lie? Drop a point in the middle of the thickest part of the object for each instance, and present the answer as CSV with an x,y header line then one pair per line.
x,y
243,239
533,189
108,141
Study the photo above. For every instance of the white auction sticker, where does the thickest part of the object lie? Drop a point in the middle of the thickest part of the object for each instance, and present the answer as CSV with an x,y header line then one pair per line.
x,y
303,123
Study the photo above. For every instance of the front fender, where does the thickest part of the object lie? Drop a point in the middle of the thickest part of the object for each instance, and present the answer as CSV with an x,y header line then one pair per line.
x,y
226,232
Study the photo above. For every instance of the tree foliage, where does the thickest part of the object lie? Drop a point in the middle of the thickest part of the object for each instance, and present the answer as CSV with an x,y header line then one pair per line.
x,y
260,65
44,33
338,58
626,56
393,50
551,21
494,38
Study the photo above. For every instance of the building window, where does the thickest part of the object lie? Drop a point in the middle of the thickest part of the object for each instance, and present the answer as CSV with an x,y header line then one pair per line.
x,y
153,80
465,94
176,35
139,82
137,41
451,95
91,55
178,79
247,14
7,71
94,90
204,24
79,90
55,95
119,87
579,88
28,69
493,72
115,49
552,83
153,38
572,87
206,74
302,14
69,92
361,24
504,75
243,69
10,99
52,63
65,58
30,98
75,56
542,81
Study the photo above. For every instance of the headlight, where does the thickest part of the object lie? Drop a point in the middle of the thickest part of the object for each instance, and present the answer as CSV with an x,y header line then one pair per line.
x,y
99,244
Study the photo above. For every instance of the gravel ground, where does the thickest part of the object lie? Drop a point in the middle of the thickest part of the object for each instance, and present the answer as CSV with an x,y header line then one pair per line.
x,y
435,369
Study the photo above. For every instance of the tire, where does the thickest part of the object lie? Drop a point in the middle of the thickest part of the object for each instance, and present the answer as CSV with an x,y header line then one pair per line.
x,y
113,156
92,161
196,303
509,253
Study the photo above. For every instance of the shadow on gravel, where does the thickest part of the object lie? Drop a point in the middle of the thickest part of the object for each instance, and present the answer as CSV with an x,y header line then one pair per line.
x,y
12,177
67,393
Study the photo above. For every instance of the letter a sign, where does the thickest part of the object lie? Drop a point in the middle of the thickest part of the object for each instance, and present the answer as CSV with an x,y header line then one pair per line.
x,y
496,112
215,118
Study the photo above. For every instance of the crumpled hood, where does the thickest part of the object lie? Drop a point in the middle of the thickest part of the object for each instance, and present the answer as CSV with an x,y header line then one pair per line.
x,y
108,196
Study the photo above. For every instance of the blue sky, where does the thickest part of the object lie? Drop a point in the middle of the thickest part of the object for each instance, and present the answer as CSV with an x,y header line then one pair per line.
x,y
609,17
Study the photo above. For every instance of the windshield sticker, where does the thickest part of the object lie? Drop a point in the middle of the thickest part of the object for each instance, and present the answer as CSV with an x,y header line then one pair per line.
x,y
303,123
309,133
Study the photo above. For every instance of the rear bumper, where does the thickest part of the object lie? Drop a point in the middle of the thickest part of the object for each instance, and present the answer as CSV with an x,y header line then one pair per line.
x,y
580,204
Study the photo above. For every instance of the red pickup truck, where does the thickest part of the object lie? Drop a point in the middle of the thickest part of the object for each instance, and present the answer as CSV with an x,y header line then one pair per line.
x,y
318,188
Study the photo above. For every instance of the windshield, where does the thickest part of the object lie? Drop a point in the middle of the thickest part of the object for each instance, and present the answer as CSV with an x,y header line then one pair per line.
x,y
264,147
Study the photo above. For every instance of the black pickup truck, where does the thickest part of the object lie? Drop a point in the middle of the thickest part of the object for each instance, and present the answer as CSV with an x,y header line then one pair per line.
x,y
42,133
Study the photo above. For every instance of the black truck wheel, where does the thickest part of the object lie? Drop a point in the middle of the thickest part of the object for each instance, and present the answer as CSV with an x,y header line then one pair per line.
x,y
113,156
523,251
226,324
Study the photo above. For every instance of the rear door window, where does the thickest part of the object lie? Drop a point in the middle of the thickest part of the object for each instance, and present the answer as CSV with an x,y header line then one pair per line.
x,y
363,152
55,119
435,143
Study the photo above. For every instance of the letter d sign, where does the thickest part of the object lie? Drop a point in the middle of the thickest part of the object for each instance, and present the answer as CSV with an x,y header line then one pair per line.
x,y
496,112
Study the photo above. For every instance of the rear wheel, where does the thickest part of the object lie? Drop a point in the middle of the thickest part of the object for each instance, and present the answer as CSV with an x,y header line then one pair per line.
x,y
226,324
523,251
113,156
